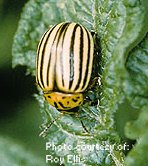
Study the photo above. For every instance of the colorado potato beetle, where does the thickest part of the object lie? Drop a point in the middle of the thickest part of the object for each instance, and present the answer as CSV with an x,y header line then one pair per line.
x,y
64,64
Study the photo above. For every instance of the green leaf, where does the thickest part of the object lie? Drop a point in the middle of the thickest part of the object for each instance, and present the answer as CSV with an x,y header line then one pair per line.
x,y
34,21
138,130
132,30
135,86
138,155
11,154
120,26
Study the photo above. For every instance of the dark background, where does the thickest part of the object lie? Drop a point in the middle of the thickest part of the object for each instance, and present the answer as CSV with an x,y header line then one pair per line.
x,y
20,117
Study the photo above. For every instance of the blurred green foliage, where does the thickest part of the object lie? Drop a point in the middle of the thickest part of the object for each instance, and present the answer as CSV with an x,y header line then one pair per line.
x,y
19,112
12,154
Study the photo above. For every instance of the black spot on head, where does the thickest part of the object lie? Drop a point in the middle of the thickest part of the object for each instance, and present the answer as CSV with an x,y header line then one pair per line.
x,y
80,102
55,104
74,100
62,105
77,97
49,96
63,97
67,102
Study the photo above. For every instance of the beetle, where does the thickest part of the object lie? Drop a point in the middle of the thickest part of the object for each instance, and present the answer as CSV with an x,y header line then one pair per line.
x,y
64,64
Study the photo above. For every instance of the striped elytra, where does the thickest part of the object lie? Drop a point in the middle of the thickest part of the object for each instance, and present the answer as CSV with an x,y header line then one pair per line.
x,y
64,64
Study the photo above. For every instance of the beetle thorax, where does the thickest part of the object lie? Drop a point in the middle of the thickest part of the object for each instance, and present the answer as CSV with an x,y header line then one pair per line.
x,y
64,101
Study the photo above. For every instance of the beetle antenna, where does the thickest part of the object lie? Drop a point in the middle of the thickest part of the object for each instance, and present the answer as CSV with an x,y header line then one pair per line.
x,y
44,132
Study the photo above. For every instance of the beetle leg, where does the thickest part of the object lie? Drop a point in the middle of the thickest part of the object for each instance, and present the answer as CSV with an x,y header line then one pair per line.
x,y
84,126
45,131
